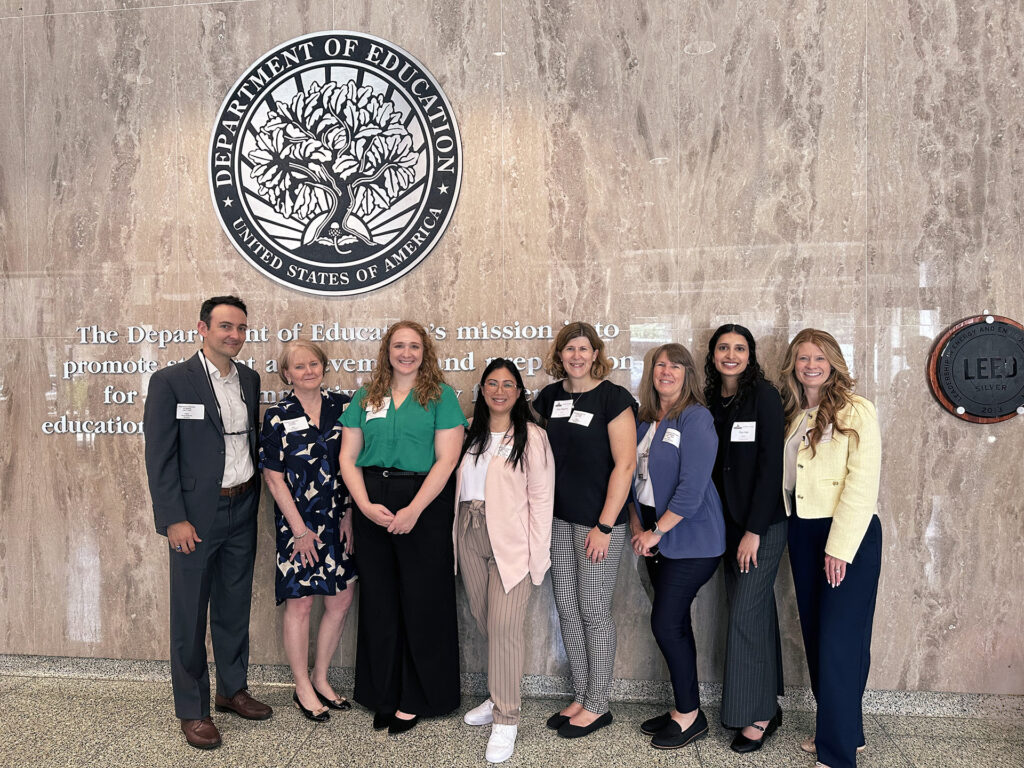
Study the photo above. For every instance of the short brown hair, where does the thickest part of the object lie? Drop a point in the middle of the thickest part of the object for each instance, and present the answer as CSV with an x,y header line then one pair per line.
x,y
291,346
575,330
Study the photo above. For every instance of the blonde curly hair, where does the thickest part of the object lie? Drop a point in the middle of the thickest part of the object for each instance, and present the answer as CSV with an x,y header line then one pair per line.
x,y
428,380
836,392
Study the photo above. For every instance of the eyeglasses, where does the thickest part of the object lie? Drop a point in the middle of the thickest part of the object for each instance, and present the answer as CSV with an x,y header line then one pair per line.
x,y
494,386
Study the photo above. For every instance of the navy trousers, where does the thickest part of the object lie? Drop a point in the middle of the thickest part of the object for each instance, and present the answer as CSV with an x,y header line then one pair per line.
x,y
676,583
218,576
836,625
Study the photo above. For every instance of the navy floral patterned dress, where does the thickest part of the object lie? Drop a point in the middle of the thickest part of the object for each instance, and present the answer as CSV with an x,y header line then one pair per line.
x,y
307,456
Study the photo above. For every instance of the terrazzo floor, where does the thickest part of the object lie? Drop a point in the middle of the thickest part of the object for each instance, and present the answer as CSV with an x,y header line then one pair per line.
x,y
69,722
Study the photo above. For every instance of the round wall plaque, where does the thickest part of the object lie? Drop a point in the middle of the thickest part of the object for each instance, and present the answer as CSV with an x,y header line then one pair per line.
x,y
335,163
976,369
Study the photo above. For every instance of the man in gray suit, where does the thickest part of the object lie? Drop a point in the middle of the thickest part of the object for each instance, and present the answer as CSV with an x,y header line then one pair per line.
x,y
200,421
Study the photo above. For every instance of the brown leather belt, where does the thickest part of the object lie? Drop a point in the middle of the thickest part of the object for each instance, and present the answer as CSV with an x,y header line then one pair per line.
x,y
238,490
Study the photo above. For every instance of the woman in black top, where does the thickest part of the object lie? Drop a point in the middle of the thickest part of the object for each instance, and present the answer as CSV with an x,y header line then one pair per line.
x,y
592,429
748,474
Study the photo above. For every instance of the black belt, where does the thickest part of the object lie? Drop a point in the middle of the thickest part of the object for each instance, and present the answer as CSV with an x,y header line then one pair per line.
x,y
238,490
392,472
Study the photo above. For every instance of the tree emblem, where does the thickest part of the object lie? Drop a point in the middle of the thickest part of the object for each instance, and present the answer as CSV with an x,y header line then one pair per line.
x,y
331,159
335,163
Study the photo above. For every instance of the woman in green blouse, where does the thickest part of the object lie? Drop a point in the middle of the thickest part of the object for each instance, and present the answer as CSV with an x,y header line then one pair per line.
x,y
401,440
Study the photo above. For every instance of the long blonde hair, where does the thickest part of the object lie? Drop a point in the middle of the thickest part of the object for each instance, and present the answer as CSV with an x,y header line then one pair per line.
x,y
650,400
836,392
428,379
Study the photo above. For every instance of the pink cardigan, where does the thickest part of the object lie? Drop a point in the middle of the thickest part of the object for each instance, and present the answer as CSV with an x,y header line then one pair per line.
x,y
520,505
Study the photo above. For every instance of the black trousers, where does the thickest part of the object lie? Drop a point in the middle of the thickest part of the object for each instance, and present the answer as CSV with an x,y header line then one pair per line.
x,y
753,648
836,625
218,576
407,654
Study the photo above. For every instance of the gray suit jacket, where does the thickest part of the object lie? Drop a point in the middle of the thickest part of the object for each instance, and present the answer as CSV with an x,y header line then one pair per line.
x,y
185,457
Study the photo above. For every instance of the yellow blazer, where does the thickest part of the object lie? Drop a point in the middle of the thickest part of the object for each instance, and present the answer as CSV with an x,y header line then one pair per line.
x,y
841,480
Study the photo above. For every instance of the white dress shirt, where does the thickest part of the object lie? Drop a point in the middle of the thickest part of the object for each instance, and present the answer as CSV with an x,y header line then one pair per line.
x,y
237,459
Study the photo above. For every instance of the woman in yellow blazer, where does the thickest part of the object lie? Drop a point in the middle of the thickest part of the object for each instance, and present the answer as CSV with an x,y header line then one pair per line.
x,y
830,478
505,493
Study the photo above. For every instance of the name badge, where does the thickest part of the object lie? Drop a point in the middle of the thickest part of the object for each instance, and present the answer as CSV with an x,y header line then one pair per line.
x,y
191,411
381,412
671,436
504,451
641,466
295,425
743,431
581,417
561,409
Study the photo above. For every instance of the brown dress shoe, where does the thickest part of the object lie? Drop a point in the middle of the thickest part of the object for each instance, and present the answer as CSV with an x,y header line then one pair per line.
x,y
244,705
201,734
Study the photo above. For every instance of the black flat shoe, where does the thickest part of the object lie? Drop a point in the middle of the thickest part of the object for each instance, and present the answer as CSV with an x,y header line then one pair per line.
x,y
743,745
674,737
401,726
341,704
570,731
557,720
382,720
655,724
317,717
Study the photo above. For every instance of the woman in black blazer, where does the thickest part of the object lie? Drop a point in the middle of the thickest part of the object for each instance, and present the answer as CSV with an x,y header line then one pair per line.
x,y
748,474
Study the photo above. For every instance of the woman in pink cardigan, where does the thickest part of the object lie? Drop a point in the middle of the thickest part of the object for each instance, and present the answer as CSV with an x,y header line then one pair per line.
x,y
502,537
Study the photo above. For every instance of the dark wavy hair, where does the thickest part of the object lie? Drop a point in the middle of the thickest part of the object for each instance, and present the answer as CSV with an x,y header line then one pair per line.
x,y
480,429
748,380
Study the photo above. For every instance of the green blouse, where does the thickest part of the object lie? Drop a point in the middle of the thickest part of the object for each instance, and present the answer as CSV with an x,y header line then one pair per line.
x,y
403,438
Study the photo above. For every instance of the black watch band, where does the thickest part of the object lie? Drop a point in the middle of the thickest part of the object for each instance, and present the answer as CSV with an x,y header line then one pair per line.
x,y
603,528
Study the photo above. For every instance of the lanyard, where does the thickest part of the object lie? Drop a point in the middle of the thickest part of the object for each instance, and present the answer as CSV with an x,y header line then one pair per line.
x,y
216,400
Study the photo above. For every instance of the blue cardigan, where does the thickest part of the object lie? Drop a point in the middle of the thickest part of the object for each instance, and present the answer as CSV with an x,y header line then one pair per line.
x,y
681,480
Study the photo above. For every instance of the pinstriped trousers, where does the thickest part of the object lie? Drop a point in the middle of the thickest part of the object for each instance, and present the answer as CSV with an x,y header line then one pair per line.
x,y
583,595
753,649
500,617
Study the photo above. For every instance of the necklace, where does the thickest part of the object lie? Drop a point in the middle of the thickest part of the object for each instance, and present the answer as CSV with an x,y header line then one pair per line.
x,y
727,401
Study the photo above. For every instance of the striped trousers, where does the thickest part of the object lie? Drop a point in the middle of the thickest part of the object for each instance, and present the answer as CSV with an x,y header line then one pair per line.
x,y
500,616
583,595
753,649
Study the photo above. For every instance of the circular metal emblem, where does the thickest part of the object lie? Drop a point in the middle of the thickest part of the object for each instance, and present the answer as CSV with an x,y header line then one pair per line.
x,y
335,163
976,369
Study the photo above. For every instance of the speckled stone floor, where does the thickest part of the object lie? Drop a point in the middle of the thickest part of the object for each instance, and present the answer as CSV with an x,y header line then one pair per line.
x,y
70,721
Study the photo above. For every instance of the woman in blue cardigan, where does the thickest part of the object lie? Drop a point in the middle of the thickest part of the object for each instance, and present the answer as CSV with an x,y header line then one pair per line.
x,y
677,522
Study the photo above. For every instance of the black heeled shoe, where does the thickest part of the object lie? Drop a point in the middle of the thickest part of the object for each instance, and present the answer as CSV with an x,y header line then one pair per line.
x,y
742,744
317,717
398,725
341,704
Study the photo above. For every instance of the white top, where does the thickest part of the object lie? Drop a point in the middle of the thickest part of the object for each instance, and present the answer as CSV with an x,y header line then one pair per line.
x,y
642,481
474,469
237,460
792,449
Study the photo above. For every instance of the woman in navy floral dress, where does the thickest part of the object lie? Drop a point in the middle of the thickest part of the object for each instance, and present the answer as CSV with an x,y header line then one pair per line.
x,y
299,456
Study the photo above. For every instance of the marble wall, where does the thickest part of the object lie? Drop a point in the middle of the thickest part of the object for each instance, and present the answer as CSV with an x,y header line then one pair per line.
x,y
663,166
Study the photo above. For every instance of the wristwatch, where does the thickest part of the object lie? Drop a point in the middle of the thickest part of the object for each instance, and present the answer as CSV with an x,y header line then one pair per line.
x,y
656,530
606,529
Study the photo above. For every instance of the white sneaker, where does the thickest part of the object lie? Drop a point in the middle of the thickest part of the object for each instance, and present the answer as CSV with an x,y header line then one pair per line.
x,y
480,715
501,743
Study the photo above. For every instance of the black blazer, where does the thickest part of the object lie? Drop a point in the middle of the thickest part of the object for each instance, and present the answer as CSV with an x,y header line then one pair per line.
x,y
751,473
185,457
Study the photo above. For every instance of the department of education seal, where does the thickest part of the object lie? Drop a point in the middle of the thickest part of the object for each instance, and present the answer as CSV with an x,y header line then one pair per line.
x,y
976,369
335,163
